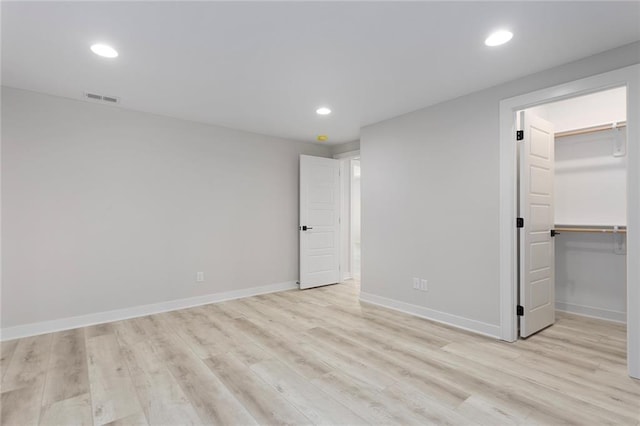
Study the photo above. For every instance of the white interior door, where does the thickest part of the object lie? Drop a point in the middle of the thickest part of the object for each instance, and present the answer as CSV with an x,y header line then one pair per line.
x,y
537,269
319,221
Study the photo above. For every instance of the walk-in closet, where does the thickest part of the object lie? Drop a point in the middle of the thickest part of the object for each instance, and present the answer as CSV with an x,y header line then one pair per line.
x,y
587,207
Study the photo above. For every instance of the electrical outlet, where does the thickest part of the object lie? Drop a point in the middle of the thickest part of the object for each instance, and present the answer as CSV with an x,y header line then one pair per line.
x,y
619,150
420,284
199,277
423,285
619,243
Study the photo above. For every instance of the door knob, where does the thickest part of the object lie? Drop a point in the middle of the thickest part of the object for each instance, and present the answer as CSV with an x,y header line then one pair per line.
x,y
305,228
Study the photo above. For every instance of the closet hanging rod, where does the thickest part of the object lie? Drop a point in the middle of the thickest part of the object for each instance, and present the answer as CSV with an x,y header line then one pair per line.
x,y
610,230
593,129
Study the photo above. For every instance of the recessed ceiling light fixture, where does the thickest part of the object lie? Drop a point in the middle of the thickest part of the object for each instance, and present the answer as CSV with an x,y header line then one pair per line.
x,y
498,38
104,51
323,111
322,138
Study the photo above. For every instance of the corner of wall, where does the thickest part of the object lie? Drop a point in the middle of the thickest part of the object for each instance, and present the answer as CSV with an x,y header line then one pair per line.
x,y
344,147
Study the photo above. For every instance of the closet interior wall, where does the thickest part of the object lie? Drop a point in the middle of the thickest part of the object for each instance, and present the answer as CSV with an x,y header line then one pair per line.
x,y
590,191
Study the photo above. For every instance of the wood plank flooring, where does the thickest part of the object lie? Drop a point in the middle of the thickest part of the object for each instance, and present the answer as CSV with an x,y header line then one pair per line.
x,y
315,357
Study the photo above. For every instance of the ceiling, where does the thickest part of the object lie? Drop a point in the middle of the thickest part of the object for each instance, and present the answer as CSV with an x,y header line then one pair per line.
x,y
266,66
596,109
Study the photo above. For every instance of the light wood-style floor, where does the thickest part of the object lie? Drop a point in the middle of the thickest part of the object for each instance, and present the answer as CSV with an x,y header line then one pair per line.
x,y
315,357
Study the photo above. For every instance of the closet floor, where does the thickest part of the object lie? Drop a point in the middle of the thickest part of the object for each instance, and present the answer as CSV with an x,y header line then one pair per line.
x,y
315,356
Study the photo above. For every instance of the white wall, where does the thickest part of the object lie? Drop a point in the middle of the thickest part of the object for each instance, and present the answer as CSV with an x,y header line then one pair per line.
x,y
590,277
104,208
590,189
430,198
590,182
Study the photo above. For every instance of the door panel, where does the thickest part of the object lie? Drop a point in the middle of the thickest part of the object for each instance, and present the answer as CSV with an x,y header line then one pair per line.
x,y
537,269
540,293
319,213
539,217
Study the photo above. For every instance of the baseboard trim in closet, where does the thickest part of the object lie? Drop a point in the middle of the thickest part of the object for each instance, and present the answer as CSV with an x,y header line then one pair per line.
x,y
590,311
433,315
33,329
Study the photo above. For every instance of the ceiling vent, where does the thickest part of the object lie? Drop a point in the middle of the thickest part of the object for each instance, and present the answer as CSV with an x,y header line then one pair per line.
x,y
101,98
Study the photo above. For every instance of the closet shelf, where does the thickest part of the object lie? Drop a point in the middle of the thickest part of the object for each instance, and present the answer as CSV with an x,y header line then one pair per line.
x,y
593,129
594,229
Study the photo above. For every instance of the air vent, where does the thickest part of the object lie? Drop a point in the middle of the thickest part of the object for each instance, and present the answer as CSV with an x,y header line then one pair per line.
x,y
101,98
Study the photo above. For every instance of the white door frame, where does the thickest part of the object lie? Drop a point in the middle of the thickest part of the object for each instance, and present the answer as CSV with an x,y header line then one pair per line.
x,y
629,77
345,211
351,218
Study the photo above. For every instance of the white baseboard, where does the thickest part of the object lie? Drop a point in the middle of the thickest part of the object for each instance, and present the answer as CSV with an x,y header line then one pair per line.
x,y
433,315
590,311
44,327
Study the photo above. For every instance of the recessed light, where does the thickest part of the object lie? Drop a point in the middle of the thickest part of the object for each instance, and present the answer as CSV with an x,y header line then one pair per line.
x,y
498,38
323,111
322,138
104,50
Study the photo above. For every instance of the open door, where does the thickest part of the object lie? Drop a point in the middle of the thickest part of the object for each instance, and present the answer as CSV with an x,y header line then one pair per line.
x,y
319,221
537,257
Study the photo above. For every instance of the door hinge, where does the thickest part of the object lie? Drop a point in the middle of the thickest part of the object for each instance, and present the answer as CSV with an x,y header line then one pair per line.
x,y
519,222
520,310
519,135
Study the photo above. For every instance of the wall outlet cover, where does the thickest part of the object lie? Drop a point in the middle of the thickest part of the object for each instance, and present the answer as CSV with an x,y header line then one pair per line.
x,y
423,285
416,283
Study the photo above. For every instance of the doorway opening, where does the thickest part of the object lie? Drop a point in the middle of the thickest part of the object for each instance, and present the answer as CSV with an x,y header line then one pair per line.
x,y
355,203
350,229
629,79
572,171
329,227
